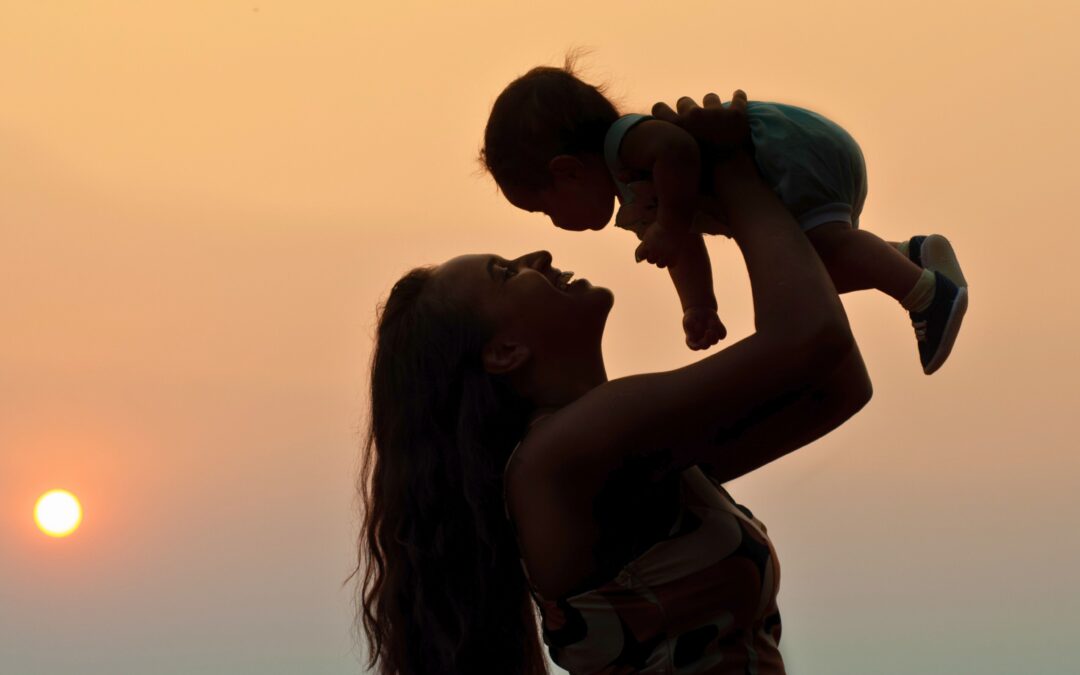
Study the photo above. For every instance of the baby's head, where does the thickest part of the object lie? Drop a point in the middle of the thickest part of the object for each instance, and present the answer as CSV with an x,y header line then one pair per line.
x,y
544,145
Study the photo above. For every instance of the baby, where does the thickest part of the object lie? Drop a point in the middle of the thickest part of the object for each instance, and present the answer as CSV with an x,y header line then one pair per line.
x,y
556,145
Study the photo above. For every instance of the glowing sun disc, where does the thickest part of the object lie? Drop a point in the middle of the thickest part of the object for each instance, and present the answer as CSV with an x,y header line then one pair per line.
x,y
57,513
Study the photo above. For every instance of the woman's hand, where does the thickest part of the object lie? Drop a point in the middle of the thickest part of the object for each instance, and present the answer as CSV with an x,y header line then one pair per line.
x,y
723,136
717,127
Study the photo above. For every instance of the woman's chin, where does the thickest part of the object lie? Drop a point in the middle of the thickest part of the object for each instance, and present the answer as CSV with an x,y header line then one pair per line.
x,y
605,298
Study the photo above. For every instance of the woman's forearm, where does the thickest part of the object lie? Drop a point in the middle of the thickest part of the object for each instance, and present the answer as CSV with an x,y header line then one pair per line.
x,y
793,294
798,376
783,425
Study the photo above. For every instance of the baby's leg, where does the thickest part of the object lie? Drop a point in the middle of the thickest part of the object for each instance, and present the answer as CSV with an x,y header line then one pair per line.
x,y
859,260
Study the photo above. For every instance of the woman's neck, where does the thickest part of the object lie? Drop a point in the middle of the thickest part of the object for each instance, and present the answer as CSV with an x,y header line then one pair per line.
x,y
552,387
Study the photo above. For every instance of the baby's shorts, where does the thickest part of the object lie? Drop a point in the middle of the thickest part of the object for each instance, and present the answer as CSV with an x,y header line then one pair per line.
x,y
812,163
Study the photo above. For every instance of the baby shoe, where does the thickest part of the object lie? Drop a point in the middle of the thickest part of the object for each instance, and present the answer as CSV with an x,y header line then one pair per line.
x,y
935,253
936,327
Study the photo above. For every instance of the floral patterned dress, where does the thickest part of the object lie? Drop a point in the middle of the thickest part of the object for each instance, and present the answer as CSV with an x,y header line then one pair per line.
x,y
699,600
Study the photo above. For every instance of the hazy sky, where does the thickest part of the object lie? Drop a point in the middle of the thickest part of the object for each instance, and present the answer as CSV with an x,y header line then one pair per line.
x,y
202,202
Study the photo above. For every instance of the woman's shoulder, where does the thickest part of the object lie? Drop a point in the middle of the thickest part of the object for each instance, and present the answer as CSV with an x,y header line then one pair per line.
x,y
551,516
578,442
626,421
574,529
539,455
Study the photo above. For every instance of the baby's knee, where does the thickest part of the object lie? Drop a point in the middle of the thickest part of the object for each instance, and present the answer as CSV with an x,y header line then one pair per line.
x,y
829,236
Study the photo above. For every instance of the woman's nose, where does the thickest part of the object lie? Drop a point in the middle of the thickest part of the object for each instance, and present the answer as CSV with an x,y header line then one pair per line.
x,y
538,259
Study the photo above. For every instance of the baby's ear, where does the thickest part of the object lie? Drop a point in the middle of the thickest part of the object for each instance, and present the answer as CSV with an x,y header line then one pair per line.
x,y
566,166
504,356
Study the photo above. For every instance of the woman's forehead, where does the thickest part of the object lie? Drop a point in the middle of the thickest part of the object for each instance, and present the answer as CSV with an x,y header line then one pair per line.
x,y
473,265
469,275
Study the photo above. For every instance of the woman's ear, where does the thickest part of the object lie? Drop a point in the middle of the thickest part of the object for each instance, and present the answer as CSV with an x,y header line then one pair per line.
x,y
504,356
566,166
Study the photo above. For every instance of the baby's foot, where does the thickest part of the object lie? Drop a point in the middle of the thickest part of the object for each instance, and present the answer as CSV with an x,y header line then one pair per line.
x,y
935,253
936,327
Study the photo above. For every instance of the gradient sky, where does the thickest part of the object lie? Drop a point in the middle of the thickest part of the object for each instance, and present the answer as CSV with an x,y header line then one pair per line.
x,y
202,202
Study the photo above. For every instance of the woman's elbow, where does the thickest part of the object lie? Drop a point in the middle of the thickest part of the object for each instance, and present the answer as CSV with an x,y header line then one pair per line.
x,y
852,383
864,389
827,345
860,391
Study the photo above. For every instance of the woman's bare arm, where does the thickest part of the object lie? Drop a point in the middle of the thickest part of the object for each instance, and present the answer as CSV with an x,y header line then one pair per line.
x,y
801,342
773,431
798,376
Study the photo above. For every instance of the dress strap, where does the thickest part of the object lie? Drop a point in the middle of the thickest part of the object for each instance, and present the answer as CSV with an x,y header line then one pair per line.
x,y
514,451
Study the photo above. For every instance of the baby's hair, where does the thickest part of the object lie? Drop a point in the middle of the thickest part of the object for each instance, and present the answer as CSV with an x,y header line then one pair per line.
x,y
544,113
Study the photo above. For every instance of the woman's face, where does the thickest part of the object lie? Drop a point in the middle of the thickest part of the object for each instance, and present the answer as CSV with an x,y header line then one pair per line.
x,y
529,301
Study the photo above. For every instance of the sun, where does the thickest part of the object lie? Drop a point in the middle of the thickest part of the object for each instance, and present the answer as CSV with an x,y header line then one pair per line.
x,y
58,513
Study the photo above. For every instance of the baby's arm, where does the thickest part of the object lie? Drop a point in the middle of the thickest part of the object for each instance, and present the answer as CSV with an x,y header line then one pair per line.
x,y
673,158
693,282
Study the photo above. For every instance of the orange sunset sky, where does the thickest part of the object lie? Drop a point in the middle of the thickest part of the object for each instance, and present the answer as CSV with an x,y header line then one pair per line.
x,y
202,202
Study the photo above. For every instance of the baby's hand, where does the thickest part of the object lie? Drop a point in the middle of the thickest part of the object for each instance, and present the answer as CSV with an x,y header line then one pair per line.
x,y
702,327
641,210
660,246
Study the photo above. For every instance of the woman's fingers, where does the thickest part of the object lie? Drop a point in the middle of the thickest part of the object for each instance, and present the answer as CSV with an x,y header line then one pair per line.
x,y
738,100
663,111
685,104
724,126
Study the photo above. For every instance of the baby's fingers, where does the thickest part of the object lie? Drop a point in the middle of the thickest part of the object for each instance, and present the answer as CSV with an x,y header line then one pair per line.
x,y
719,329
643,252
703,342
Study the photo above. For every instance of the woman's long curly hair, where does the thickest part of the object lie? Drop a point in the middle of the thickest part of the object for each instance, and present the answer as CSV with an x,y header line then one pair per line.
x,y
441,588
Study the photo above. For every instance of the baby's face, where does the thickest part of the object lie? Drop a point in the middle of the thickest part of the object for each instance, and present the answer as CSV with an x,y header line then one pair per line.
x,y
577,207
584,201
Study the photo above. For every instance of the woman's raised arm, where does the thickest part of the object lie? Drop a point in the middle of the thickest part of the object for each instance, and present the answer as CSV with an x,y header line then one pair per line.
x,y
796,378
